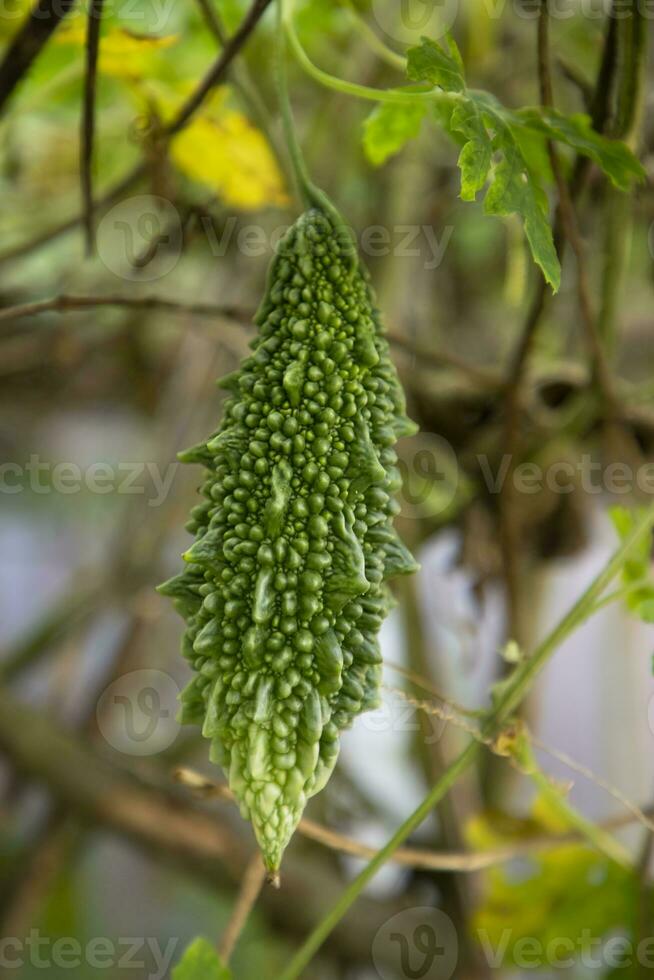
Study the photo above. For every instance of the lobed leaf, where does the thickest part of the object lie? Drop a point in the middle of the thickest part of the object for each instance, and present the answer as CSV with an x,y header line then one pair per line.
x,y
389,127
501,148
614,157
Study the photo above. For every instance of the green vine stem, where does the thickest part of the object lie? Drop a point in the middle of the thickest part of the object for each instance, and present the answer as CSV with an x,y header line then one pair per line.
x,y
509,696
397,96
304,184
312,195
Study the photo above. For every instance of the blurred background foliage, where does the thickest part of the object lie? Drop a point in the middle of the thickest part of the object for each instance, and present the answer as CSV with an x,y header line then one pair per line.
x,y
121,386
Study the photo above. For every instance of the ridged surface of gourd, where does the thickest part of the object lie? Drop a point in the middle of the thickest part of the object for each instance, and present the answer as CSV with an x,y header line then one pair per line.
x,y
285,589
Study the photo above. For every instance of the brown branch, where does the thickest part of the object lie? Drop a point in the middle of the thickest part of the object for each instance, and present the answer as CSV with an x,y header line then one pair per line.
x,y
571,225
93,786
41,23
216,72
510,532
65,303
443,359
114,194
94,20
251,885
212,21
64,617
544,72
412,857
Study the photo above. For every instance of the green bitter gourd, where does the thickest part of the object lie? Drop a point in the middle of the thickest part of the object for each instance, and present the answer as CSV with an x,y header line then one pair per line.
x,y
285,587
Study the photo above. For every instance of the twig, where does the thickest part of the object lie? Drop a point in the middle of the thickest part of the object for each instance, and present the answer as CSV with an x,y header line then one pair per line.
x,y
510,532
426,685
439,359
93,21
512,694
218,69
253,879
602,840
454,811
456,714
406,856
119,798
464,862
571,227
636,812
247,88
41,860
211,79
576,76
43,20
632,49
115,193
64,303
509,529
63,618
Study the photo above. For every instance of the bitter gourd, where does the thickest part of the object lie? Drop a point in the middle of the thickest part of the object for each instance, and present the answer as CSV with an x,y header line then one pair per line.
x,y
285,587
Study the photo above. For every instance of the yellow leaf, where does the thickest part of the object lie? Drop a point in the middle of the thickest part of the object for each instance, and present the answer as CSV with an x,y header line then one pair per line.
x,y
123,53
228,154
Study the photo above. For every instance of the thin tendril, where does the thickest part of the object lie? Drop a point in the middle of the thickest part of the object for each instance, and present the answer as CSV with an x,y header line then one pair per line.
x,y
429,94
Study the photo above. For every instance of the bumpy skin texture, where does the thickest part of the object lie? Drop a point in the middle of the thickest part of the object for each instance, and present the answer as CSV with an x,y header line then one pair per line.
x,y
285,587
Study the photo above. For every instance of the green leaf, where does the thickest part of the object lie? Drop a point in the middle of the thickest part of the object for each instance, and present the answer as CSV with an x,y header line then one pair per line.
x,y
477,153
484,129
567,893
515,191
389,127
613,156
638,568
201,962
431,62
